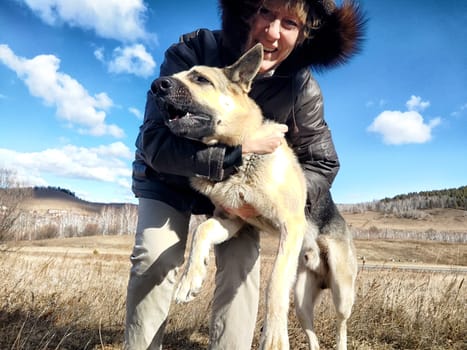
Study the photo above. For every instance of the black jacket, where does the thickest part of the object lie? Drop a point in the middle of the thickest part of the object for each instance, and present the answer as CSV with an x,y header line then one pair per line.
x,y
164,162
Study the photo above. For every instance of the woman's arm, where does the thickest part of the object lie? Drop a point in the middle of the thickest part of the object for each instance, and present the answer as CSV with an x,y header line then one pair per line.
x,y
311,138
167,153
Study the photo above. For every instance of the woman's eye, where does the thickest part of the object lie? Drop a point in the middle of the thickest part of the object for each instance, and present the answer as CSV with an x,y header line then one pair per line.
x,y
289,23
266,14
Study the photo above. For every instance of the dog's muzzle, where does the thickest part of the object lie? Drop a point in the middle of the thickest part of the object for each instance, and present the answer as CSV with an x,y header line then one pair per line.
x,y
182,114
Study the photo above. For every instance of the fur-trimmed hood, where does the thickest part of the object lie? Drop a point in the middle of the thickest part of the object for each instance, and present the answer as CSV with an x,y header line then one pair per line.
x,y
338,38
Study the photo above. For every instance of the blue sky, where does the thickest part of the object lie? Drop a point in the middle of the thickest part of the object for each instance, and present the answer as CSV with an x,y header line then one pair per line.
x,y
74,74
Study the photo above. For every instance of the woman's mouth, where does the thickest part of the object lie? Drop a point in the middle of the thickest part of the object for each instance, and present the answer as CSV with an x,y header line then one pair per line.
x,y
269,50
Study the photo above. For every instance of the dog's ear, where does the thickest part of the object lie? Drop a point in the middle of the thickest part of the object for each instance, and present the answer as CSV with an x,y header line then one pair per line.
x,y
245,69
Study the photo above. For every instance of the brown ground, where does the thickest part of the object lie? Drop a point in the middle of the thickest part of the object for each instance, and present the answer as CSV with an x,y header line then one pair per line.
x,y
70,294
442,220
373,251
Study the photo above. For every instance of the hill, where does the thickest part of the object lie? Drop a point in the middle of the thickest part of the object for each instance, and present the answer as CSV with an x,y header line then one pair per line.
x,y
400,205
44,199
403,204
51,212
434,215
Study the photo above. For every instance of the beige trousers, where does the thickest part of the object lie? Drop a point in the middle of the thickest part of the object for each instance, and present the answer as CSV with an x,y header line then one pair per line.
x,y
159,249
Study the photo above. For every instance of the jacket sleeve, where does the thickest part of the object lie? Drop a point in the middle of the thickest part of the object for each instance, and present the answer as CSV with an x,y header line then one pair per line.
x,y
311,139
163,151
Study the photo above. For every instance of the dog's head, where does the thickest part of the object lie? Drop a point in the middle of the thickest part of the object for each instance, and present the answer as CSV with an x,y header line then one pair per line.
x,y
208,104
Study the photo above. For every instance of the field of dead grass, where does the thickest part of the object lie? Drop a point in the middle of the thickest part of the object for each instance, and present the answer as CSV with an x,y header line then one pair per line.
x,y
439,220
70,294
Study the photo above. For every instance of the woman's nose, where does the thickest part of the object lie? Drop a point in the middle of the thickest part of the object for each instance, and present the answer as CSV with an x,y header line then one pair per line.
x,y
274,29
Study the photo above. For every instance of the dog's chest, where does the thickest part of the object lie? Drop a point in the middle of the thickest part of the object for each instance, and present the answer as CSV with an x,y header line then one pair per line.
x,y
231,192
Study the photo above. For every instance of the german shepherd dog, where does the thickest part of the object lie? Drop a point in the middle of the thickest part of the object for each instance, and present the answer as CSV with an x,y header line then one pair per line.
x,y
212,105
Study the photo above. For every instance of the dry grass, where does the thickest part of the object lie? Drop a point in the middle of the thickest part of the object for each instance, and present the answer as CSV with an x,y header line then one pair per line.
x,y
76,300
439,220
60,301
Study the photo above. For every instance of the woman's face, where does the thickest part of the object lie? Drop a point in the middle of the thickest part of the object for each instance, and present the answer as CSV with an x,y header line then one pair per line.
x,y
277,29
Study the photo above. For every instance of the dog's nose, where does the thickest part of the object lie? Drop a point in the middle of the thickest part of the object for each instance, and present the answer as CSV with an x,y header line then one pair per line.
x,y
162,86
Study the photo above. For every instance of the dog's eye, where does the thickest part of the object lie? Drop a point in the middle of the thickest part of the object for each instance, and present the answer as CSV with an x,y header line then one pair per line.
x,y
202,80
198,78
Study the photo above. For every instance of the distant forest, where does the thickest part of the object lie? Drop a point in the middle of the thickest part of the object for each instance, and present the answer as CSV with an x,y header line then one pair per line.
x,y
406,205
54,188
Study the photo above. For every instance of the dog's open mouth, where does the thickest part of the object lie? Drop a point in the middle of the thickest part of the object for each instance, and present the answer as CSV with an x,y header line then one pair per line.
x,y
181,112
189,122
174,113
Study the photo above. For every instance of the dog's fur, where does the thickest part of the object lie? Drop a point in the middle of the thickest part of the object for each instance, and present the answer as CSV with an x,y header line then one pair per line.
x,y
212,105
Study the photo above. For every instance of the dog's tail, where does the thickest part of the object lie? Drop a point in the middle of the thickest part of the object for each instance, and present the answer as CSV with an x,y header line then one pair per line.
x,y
310,250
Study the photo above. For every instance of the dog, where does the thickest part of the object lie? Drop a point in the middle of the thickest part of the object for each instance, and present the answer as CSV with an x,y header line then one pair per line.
x,y
212,105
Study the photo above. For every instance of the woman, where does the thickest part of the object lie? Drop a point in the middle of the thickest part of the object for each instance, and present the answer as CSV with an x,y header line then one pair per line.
x,y
296,35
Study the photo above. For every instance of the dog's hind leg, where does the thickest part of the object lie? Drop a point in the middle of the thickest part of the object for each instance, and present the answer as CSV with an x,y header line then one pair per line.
x,y
343,272
212,231
275,334
310,249
307,292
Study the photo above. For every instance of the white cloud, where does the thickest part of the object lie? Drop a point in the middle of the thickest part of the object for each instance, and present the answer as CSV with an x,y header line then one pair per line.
x,y
398,127
72,101
107,163
136,112
99,54
372,103
416,104
132,59
114,19
460,111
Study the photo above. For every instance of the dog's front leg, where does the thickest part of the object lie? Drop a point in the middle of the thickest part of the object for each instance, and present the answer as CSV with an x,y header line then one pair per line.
x,y
275,335
213,231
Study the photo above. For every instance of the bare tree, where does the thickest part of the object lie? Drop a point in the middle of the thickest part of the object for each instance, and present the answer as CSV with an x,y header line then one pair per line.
x,y
11,197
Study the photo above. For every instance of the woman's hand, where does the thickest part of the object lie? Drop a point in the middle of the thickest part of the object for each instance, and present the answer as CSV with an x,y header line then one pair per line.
x,y
244,212
266,139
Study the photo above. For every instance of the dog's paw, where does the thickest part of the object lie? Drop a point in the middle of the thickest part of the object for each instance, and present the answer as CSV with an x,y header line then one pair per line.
x,y
187,290
274,342
274,337
190,284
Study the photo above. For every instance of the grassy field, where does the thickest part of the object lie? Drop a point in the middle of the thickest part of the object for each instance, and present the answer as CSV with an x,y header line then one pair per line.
x,y
70,294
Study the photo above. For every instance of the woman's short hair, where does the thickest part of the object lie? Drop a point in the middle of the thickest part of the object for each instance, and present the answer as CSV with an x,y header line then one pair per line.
x,y
310,16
